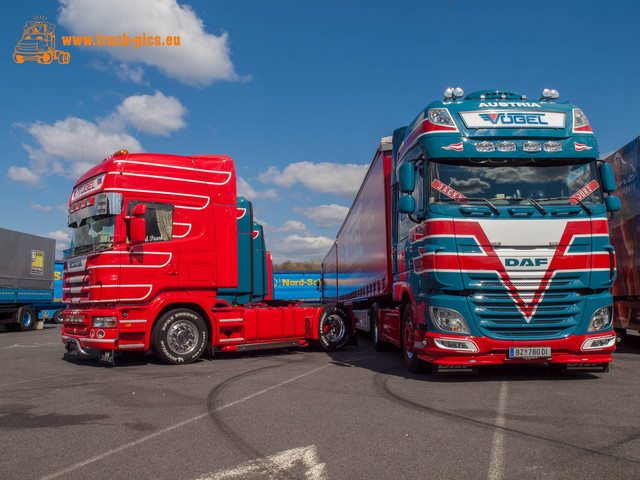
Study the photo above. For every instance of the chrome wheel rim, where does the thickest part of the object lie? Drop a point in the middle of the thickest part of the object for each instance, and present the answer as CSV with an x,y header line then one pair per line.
x,y
183,337
334,328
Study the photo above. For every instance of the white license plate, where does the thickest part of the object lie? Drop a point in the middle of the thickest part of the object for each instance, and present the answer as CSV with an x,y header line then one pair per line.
x,y
529,352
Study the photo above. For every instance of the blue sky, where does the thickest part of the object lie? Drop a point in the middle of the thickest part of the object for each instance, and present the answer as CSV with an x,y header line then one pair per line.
x,y
297,93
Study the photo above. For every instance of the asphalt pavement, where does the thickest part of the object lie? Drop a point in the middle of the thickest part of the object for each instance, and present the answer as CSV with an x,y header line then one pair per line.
x,y
306,414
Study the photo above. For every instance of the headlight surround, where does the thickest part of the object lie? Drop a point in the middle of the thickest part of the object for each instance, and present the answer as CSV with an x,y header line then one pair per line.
x,y
600,320
448,320
104,322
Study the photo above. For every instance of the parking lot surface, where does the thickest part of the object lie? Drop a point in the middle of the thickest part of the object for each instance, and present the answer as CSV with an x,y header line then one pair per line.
x,y
353,414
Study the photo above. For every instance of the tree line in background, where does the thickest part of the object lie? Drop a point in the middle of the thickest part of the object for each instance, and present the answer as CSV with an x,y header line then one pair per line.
x,y
307,265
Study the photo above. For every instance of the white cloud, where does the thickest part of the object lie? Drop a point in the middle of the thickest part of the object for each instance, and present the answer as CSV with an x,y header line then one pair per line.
x,y
325,177
200,59
24,175
300,248
325,216
81,143
243,189
292,226
42,208
63,241
155,114
73,145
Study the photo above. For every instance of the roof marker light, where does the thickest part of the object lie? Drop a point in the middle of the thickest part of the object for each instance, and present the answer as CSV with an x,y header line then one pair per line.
x,y
531,146
458,92
552,147
506,146
485,147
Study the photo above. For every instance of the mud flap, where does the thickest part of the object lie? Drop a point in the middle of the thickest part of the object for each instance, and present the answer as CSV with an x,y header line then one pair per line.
x,y
107,357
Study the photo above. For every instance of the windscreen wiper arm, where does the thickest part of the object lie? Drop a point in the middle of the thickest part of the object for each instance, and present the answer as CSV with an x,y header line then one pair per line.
x,y
540,208
493,208
572,199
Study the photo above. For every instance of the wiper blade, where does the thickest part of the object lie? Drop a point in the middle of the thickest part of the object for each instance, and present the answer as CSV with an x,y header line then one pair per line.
x,y
493,208
540,208
572,199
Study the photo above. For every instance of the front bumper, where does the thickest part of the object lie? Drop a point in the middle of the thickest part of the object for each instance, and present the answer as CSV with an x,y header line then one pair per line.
x,y
496,352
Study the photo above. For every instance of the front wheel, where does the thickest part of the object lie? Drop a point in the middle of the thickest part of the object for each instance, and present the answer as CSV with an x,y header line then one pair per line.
x,y
334,328
411,361
26,318
180,336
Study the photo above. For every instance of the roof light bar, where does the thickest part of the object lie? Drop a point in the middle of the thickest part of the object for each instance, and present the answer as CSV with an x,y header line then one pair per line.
x,y
451,94
549,95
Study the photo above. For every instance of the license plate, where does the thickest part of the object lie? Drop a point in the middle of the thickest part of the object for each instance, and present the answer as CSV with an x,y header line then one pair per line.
x,y
529,352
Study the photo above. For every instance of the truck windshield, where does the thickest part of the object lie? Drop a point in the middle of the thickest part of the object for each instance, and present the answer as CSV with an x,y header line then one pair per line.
x,y
514,181
92,234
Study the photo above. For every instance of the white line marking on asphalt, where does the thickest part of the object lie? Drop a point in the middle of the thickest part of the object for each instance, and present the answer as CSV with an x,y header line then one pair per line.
x,y
497,459
35,379
275,466
175,426
33,345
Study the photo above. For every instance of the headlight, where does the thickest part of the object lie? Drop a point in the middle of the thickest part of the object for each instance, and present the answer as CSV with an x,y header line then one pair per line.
x,y
600,320
448,320
104,322
440,116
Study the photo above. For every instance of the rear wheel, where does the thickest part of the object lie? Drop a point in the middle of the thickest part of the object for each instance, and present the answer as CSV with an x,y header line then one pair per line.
x,y
58,317
378,344
180,336
26,318
334,328
411,360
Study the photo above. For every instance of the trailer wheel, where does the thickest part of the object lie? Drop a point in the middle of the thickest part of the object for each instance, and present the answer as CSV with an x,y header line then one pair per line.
x,y
58,317
411,361
26,318
378,344
334,329
180,336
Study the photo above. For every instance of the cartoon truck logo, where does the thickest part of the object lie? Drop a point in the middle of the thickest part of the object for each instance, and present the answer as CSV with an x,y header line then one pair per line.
x,y
38,43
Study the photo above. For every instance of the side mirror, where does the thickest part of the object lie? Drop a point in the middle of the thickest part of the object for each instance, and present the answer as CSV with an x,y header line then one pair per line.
x,y
137,230
612,203
407,204
139,210
137,224
608,178
407,178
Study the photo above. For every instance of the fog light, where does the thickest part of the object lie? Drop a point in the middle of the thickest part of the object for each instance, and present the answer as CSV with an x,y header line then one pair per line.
x,y
598,343
104,322
455,345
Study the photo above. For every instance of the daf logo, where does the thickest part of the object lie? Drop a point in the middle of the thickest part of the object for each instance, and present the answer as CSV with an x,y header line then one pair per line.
x,y
525,262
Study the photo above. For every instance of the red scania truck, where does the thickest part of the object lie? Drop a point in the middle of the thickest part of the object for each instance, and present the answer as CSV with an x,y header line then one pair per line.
x,y
479,236
154,238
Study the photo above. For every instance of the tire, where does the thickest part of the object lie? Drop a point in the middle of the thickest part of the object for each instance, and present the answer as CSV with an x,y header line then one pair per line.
x,y
26,319
180,336
46,58
334,329
58,317
411,361
378,344
63,57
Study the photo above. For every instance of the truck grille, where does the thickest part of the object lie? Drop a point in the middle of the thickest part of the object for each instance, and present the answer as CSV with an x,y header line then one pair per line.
x,y
556,315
